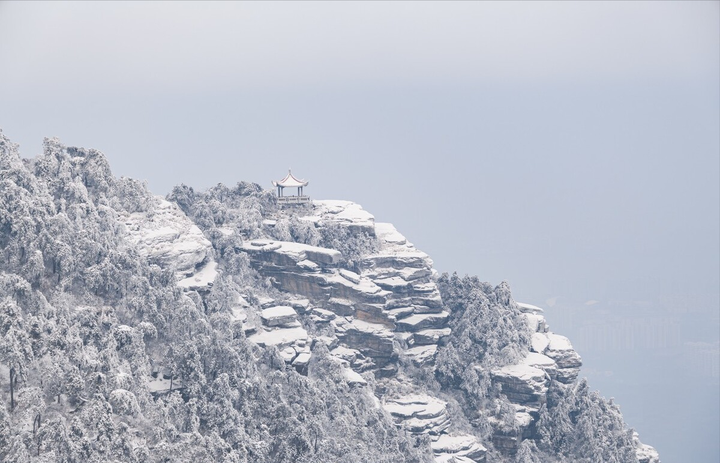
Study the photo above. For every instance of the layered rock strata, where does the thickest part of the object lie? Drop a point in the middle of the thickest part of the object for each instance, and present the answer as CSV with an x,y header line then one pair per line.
x,y
423,414
384,308
389,296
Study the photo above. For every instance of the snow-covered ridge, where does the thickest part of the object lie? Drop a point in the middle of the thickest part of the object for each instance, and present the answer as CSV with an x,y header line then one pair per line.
x,y
385,307
248,305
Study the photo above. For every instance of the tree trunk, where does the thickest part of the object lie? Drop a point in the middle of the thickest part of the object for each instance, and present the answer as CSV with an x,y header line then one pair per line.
x,y
12,389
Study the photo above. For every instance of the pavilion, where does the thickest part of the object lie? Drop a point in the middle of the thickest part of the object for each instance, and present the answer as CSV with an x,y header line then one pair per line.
x,y
291,182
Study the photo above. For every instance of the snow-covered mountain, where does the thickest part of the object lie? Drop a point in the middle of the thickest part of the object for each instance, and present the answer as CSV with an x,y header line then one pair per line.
x,y
220,326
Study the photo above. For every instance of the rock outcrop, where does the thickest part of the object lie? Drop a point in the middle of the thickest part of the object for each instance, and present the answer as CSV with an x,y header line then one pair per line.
x,y
385,307
167,237
390,296
423,414
526,383
645,453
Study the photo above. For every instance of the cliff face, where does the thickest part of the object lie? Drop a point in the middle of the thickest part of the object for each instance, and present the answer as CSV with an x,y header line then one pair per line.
x,y
209,324
384,309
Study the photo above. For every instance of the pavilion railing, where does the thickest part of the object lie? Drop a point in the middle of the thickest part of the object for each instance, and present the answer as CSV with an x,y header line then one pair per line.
x,y
293,199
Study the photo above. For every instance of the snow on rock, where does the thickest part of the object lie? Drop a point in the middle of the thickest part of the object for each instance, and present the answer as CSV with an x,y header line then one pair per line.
x,y
350,276
280,315
539,342
280,338
424,414
399,312
387,233
390,291
362,289
419,413
645,453
536,322
288,354
458,448
301,306
345,354
526,383
445,458
523,384
568,361
419,322
266,302
397,257
302,360
346,213
164,234
529,308
321,315
541,361
353,378
523,419
238,314
202,279
559,342
287,252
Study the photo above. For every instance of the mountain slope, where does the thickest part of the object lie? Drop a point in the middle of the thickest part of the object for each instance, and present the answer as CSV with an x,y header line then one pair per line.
x,y
218,326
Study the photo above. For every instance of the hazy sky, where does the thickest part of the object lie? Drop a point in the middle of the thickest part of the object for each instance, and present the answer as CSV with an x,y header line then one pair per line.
x,y
571,148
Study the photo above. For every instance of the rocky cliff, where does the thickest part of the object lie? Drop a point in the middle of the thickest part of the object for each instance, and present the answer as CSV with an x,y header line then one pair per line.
x,y
211,324
384,309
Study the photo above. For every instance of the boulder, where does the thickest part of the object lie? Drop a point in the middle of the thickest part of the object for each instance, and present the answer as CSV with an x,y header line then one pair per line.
x,y
280,315
280,338
522,384
419,414
568,361
432,336
353,378
417,322
447,447
321,316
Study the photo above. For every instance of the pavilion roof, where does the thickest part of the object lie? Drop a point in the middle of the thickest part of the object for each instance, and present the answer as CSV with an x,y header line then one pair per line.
x,y
290,181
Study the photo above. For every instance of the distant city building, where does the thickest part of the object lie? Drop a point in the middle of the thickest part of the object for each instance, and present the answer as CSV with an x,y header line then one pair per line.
x,y
291,182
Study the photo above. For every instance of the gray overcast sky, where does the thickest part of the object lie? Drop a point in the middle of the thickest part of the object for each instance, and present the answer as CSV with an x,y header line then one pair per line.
x,y
571,148
187,47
